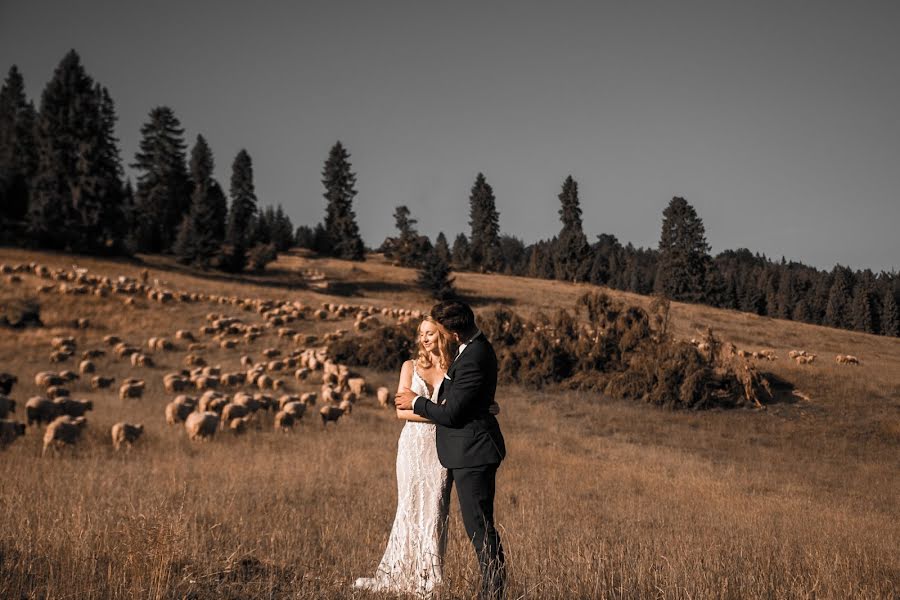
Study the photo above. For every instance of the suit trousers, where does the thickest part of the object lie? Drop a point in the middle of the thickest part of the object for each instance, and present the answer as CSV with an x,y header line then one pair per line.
x,y
475,489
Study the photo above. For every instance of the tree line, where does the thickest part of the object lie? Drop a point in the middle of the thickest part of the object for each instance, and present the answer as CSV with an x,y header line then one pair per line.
x,y
62,186
62,183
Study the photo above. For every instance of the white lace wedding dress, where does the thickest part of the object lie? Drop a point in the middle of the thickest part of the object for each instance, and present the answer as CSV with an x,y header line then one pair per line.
x,y
413,560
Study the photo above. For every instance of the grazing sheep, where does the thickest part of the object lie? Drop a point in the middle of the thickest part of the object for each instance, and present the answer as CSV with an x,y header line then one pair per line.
x,y
7,406
74,408
177,412
846,359
46,379
41,410
246,400
125,433
184,334
201,425
383,396
99,382
346,406
57,391
212,401
330,413
805,359
283,421
175,382
58,356
69,375
141,360
271,353
7,381
295,409
206,382
308,398
233,411
239,425
86,367
131,390
9,431
357,385
63,430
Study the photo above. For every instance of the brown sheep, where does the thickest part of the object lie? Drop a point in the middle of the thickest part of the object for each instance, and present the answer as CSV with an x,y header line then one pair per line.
x,y
283,421
239,425
46,379
308,398
233,411
141,360
131,389
9,431
330,413
74,408
99,382
86,366
64,430
175,382
57,391
7,406
201,425
177,412
383,396
295,409
125,434
346,406
184,334
41,410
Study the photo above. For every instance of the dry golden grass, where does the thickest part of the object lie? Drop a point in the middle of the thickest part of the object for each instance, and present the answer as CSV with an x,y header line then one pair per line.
x,y
598,498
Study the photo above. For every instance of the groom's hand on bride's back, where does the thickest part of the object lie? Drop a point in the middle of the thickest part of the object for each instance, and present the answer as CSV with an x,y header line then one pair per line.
x,y
404,399
494,408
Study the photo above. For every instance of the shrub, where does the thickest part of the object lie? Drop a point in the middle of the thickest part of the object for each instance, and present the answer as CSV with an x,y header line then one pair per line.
x,y
385,348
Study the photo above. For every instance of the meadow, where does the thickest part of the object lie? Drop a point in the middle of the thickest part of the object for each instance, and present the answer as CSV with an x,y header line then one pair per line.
x,y
598,498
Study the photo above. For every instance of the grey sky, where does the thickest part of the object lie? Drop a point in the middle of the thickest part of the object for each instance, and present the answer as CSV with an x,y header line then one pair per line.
x,y
778,121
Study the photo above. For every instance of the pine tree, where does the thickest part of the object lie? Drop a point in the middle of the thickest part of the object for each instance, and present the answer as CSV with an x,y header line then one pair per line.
x,y
434,277
18,149
282,230
864,310
241,216
77,193
683,253
340,219
890,315
837,308
572,250
202,231
785,297
442,248
163,193
484,243
460,258
305,237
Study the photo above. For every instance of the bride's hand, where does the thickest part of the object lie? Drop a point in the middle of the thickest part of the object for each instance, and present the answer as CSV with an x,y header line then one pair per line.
x,y
494,408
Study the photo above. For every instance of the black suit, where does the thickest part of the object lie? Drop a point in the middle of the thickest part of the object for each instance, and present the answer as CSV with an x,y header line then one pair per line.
x,y
471,447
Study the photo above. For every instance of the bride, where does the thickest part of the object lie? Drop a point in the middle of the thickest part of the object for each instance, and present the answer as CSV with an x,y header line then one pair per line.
x,y
413,559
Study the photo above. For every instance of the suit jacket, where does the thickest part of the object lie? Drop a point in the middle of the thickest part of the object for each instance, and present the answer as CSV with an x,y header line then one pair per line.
x,y
468,435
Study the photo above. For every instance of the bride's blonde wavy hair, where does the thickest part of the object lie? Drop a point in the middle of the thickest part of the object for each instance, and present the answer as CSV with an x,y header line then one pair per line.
x,y
423,357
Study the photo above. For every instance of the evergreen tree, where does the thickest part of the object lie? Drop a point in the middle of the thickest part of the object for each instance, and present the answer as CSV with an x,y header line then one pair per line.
x,y
785,297
340,220
890,315
434,277
305,237
572,250
460,253
18,148
837,308
714,287
484,243
801,311
202,231
76,199
442,247
282,230
864,309
683,253
409,248
163,193
513,256
241,216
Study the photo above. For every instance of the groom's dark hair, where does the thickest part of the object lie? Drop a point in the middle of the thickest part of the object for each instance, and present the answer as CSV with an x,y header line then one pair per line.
x,y
455,316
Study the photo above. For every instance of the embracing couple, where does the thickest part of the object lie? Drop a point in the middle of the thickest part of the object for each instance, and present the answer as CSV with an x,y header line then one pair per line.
x,y
451,437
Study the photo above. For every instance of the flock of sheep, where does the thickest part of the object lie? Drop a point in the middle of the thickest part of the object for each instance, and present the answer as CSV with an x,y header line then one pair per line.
x,y
208,399
801,357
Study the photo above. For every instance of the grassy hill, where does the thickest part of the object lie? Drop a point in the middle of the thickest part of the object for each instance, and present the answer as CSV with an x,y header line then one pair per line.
x,y
599,498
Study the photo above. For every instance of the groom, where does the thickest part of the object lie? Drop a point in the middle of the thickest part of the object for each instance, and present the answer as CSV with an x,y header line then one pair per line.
x,y
469,442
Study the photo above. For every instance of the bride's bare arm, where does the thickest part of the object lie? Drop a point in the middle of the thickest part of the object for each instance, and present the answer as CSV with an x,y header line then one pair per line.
x,y
406,374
